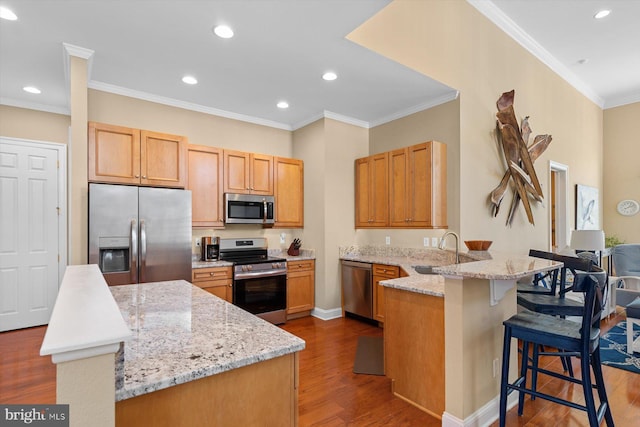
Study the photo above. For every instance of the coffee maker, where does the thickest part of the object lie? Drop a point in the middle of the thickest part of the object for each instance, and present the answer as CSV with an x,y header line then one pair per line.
x,y
210,248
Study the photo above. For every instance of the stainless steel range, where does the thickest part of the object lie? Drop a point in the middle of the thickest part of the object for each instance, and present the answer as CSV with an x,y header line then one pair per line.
x,y
259,281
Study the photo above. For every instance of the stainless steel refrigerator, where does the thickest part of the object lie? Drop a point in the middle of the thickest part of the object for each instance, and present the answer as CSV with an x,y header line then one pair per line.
x,y
140,234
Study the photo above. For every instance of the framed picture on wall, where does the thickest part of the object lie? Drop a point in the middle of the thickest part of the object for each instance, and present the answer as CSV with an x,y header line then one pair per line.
x,y
587,208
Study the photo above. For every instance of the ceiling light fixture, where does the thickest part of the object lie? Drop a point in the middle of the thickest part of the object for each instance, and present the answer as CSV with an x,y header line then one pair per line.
x,y
282,104
32,89
190,80
329,76
601,14
7,14
223,31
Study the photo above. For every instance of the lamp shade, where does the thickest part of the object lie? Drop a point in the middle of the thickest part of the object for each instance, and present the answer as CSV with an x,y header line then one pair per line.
x,y
587,240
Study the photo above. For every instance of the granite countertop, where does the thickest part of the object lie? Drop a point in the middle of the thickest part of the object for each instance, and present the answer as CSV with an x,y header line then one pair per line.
x,y
182,333
474,264
210,264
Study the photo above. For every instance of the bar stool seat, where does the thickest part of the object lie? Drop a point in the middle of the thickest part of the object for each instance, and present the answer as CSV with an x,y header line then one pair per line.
x,y
575,339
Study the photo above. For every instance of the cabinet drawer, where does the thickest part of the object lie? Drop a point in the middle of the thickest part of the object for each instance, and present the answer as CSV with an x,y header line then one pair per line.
x,y
219,273
390,271
302,265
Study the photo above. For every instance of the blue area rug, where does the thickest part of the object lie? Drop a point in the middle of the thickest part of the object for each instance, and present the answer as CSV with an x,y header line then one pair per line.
x,y
613,349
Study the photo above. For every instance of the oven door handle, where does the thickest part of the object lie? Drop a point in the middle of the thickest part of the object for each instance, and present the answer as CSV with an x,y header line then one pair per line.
x,y
259,274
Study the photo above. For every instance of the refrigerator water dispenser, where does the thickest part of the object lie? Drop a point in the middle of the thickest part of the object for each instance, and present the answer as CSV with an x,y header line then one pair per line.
x,y
114,254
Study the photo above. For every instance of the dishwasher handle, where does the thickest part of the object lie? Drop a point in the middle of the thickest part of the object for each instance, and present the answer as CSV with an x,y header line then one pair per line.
x,y
357,264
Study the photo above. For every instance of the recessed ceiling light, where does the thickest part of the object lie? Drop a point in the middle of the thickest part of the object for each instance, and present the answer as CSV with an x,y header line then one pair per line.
x,y
31,89
7,14
601,14
190,80
282,104
223,31
329,76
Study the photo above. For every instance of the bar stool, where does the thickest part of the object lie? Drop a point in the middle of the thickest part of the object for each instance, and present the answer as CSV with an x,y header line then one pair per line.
x,y
575,339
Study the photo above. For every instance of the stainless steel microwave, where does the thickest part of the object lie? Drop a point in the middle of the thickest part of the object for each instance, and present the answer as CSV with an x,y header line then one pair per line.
x,y
248,209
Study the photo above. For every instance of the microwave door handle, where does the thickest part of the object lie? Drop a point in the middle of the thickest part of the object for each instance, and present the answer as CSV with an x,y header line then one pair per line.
x,y
143,251
264,213
133,257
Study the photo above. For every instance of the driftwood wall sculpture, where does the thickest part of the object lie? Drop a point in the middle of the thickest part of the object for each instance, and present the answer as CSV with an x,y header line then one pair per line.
x,y
519,157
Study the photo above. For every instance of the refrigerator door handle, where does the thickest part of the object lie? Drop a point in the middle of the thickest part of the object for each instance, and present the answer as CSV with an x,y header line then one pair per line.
x,y
133,257
143,251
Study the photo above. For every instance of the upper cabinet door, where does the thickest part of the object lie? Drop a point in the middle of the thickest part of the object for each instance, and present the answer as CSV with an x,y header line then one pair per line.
x,y
289,192
236,172
248,173
205,182
372,201
261,174
114,154
163,159
399,180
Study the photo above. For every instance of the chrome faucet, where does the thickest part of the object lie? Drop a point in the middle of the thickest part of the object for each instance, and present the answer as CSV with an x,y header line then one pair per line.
x,y
442,242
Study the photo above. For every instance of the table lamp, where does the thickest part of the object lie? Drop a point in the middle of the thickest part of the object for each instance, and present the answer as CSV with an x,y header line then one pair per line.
x,y
587,240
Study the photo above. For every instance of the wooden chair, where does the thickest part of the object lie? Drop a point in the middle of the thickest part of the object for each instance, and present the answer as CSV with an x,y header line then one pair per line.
x,y
575,339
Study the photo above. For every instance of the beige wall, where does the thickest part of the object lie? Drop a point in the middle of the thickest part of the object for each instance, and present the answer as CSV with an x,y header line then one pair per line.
x,y
329,149
35,125
441,123
453,43
621,170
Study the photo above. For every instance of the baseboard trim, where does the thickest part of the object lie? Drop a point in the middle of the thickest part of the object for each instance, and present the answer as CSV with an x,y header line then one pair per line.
x,y
483,417
323,314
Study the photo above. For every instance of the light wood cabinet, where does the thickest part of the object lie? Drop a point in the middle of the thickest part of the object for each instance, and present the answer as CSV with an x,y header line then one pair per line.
x,y
248,173
371,192
300,287
418,186
289,193
204,179
414,355
215,280
382,272
123,155
404,188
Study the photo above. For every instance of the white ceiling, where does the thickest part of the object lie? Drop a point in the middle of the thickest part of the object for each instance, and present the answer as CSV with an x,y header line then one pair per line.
x,y
280,50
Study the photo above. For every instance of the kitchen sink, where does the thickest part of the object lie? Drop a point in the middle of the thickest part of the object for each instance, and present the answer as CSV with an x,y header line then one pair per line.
x,y
424,269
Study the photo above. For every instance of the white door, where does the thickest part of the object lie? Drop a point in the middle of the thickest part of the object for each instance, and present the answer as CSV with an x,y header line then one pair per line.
x,y
30,234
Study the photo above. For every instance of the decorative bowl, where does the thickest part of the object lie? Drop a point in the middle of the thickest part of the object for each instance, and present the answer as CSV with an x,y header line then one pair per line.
x,y
478,245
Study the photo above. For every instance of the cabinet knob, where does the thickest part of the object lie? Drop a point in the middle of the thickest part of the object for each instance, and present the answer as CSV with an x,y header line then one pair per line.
x,y
210,274
144,177
230,284
137,176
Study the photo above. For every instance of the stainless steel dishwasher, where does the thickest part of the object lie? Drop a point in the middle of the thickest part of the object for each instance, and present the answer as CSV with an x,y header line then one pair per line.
x,y
357,288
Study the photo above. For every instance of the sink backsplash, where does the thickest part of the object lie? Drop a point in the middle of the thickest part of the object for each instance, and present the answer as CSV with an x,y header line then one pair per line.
x,y
427,256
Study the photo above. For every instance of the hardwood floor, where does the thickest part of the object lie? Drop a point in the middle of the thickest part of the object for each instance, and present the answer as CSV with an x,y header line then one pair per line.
x,y
330,393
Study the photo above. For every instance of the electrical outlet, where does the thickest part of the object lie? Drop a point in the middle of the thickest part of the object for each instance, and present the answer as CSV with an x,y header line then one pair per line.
x,y
387,240
425,242
282,237
496,367
197,242
434,242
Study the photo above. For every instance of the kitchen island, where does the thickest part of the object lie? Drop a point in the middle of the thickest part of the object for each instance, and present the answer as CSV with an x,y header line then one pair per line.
x,y
195,359
443,331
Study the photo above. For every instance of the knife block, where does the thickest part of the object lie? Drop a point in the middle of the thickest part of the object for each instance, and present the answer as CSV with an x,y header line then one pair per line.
x,y
293,251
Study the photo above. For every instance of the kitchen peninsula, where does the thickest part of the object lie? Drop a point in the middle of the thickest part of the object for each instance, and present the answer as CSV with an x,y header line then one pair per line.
x,y
443,331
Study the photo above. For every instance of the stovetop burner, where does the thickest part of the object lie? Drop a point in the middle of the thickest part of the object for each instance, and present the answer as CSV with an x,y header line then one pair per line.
x,y
246,251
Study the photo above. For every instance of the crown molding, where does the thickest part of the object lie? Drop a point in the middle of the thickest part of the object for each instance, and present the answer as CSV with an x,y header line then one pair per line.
x,y
118,90
35,106
308,121
345,119
513,30
448,97
625,99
